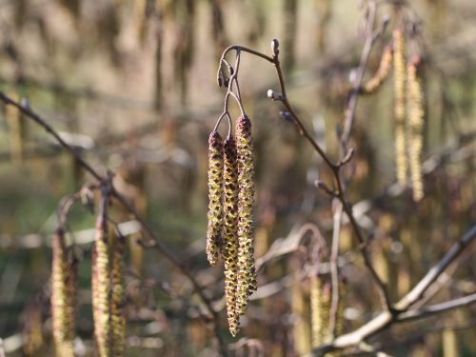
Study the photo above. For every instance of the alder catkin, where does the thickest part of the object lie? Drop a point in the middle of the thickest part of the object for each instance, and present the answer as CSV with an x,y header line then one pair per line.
x,y
118,320
320,296
246,265
63,296
101,288
215,195
399,78
416,117
230,233
382,73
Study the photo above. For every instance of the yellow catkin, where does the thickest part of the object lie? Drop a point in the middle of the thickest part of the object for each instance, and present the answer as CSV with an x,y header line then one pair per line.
x,y
63,297
320,296
118,320
246,265
230,251
16,128
416,116
382,73
399,78
101,288
316,310
215,195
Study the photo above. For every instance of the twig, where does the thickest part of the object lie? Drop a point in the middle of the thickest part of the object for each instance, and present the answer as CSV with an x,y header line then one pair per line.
x,y
437,308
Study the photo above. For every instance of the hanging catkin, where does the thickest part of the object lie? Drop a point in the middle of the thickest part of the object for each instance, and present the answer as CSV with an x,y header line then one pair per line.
x,y
399,78
246,268
230,236
383,70
101,288
118,320
215,195
416,117
63,296
320,296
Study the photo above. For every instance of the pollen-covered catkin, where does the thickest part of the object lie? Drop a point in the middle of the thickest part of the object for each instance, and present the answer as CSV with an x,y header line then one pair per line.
x,y
246,265
416,117
383,70
118,320
101,288
215,193
230,233
399,78
63,297
320,296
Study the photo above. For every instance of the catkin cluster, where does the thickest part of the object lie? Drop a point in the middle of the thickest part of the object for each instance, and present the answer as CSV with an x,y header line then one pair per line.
x,y
230,216
108,291
408,111
63,296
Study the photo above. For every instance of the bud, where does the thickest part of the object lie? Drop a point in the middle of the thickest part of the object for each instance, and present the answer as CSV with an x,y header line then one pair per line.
x,y
275,46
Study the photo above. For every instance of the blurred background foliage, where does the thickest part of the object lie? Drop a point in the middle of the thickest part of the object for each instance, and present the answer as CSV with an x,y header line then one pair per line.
x,y
131,85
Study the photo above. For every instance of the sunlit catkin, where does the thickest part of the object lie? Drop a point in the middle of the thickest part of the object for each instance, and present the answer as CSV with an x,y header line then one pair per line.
x,y
230,233
63,296
101,279
246,265
118,320
416,117
215,193
399,78
383,70
320,297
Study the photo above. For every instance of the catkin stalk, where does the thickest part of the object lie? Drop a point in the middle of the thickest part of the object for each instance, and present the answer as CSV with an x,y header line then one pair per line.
x,y
215,195
63,297
230,251
416,116
246,268
399,105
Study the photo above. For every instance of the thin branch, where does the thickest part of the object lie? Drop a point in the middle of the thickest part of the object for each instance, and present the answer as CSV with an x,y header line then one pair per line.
x,y
437,308
387,318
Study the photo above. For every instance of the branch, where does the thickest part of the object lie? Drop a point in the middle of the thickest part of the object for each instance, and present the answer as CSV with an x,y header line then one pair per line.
x,y
387,318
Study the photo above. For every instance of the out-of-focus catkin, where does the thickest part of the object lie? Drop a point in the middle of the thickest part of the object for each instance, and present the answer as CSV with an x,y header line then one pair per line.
x,y
230,233
383,70
399,78
320,296
246,265
118,320
215,193
101,279
63,296
416,116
